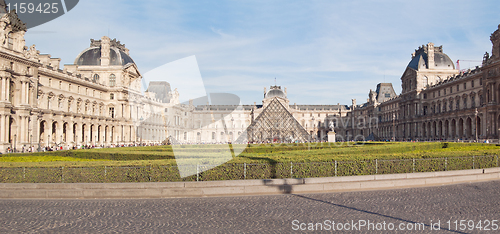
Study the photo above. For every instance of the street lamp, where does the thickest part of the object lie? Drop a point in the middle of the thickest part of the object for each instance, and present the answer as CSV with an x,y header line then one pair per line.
x,y
475,113
15,136
31,145
140,128
394,126
234,128
39,146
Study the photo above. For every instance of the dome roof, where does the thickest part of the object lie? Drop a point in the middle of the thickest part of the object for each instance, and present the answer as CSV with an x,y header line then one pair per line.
x,y
275,91
420,59
92,57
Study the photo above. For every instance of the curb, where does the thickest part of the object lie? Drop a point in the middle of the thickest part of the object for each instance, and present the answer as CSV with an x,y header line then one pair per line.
x,y
242,187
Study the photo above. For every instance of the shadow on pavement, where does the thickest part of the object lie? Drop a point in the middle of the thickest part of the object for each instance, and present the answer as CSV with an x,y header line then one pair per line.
x,y
369,212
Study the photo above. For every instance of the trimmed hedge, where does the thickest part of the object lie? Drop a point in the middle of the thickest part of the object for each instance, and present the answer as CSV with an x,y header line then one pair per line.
x,y
157,173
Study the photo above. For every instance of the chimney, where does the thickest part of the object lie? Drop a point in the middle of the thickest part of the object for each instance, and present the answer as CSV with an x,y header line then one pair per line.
x,y
430,55
105,50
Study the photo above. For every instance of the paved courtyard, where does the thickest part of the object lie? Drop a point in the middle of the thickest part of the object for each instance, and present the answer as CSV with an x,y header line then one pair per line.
x,y
360,212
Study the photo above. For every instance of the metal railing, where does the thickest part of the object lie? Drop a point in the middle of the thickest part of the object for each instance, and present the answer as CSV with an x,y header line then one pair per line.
x,y
158,173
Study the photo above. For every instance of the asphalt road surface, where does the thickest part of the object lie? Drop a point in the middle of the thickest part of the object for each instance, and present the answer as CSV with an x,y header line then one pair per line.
x,y
463,208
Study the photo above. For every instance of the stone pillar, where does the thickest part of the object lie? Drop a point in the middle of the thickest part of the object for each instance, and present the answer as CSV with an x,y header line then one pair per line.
x,y
47,133
7,127
3,130
22,92
26,92
4,89
21,131
133,134
69,133
87,133
78,136
59,131
7,88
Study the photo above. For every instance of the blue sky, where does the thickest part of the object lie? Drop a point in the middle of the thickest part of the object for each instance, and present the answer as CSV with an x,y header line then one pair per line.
x,y
324,52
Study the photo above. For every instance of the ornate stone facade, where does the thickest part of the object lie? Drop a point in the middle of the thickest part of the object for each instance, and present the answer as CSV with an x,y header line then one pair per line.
x,y
438,102
98,101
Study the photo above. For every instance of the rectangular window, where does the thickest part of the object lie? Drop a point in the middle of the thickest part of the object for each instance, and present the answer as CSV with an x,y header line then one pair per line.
x,y
112,112
472,83
465,85
458,88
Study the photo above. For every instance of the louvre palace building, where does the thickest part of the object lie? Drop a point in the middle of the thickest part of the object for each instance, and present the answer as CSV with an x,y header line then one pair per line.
x,y
438,102
98,101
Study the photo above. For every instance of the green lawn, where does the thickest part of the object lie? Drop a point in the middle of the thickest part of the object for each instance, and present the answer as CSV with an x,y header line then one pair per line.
x,y
296,153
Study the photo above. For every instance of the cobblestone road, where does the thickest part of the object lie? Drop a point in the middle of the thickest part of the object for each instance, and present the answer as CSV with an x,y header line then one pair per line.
x,y
260,214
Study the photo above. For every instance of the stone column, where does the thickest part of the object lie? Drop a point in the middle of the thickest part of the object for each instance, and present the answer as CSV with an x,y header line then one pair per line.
x,y
86,138
78,139
26,92
4,89
47,132
69,133
59,130
3,130
7,88
23,92
20,130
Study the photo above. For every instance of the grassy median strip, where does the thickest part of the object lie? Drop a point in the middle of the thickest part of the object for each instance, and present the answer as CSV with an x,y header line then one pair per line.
x,y
278,153
157,163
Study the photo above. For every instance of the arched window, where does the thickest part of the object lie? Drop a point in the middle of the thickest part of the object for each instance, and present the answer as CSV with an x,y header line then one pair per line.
x,y
95,78
112,80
